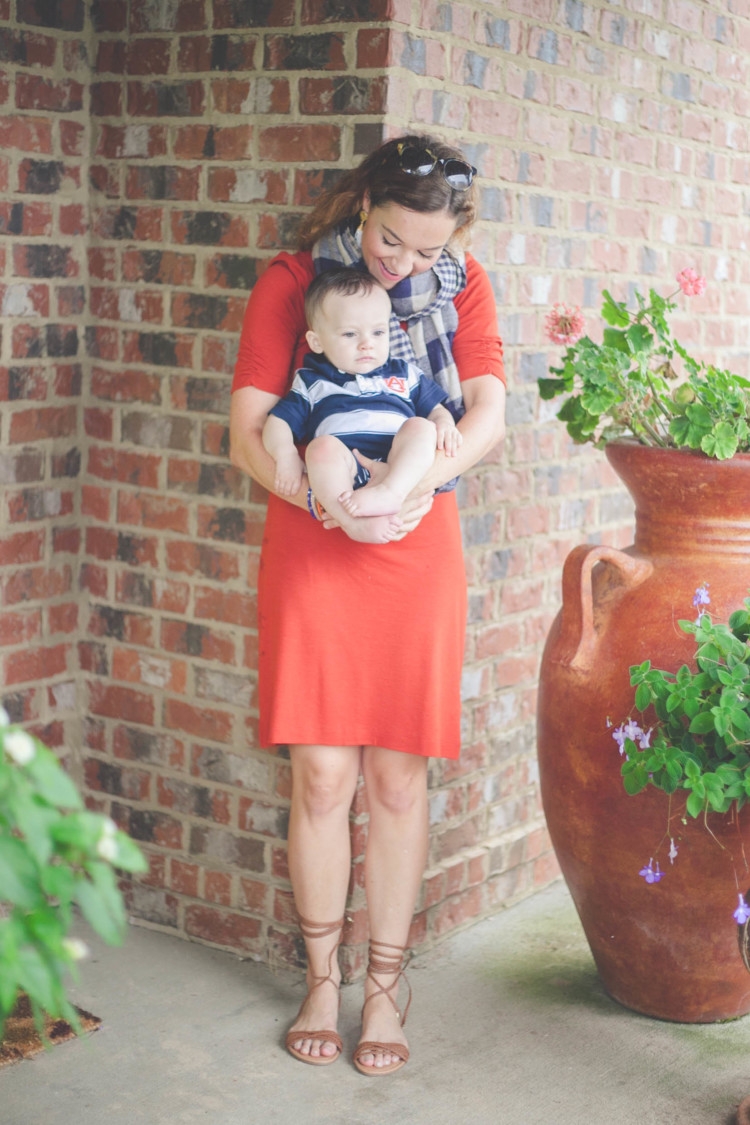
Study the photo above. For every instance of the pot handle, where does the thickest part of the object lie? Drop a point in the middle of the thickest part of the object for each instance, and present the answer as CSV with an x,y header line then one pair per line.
x,y
578,636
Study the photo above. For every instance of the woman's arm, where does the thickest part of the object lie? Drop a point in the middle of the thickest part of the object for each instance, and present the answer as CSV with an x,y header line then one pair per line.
x,y
247,415
482,427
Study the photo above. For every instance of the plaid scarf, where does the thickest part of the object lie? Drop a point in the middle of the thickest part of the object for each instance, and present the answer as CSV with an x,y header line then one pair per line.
x,y
423,302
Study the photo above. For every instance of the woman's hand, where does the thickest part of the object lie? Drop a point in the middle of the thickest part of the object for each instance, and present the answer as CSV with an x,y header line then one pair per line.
x,y
413,510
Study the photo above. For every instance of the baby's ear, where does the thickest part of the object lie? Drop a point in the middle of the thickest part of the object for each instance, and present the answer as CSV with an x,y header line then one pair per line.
x,y
313,341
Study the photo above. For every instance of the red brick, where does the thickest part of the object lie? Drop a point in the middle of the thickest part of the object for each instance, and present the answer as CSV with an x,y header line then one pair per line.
x,y
183,877
36,664
286,142
242,95
235,931
35,92
216,726
116,702
62,618
125,142
126,386
165,99
217,887
137,469
188,15
43,423
23,547
134,587
149,670
226,606
197,640
160,512
20,628
164,267
207,142
147,56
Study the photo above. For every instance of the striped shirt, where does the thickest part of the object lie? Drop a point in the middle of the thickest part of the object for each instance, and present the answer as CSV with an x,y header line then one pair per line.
x,y
363,411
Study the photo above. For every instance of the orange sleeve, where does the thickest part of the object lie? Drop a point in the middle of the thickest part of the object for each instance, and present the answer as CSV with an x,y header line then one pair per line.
x,y
272,341
477,347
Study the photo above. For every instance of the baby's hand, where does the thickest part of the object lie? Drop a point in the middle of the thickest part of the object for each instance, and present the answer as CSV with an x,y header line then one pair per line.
x,y
289,470
448,436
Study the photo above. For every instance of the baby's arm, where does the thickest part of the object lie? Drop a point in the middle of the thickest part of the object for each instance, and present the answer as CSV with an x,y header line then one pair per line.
x,y
279,442
448,436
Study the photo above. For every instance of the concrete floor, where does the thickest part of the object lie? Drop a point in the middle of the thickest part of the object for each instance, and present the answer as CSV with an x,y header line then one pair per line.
x,y
509,1026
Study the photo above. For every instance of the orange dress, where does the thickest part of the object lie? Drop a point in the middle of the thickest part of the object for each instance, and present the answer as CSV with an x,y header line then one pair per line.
x,y
359,644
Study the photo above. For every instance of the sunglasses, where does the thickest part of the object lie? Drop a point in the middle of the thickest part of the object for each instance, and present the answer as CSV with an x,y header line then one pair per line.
x,y
421,162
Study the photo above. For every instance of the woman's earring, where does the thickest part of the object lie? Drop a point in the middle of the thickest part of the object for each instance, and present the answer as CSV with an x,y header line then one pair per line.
x,y
362,221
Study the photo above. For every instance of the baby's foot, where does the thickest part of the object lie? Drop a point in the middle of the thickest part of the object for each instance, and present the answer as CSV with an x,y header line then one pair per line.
x,y
372,500
375,529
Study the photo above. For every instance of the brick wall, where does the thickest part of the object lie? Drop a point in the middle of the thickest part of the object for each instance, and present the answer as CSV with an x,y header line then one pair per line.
x,y
44,141
155,154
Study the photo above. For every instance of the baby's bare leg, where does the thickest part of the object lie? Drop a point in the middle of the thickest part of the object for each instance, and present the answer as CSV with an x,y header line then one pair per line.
x,y
331,469
412,454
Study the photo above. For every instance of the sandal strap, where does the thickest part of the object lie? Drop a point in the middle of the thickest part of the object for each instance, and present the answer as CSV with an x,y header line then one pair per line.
x,y
388,964
313,930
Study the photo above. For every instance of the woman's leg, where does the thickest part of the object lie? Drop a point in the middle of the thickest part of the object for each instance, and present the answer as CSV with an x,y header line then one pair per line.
x,y
324,780
394,864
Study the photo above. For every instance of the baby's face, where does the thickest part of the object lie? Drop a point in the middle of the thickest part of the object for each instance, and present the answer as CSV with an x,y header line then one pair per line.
x,y
353,331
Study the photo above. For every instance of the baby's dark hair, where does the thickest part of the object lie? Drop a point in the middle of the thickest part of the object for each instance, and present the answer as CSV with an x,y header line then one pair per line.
x,y
344,282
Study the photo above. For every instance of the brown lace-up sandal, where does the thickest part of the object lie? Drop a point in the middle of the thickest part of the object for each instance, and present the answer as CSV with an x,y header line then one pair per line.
x,y
310,931
384,964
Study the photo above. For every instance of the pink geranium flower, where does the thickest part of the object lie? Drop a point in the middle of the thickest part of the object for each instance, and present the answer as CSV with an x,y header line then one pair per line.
x,y
564,325
690,283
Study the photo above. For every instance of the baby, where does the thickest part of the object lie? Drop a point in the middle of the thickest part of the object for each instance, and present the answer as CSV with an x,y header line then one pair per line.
x,y
350,397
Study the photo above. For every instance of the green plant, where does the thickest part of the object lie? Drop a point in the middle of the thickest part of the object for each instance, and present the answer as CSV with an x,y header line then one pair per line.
x,y
54,856
700,739
628,386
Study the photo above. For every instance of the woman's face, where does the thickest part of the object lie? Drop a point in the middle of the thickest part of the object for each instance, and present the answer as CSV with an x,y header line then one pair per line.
x,y
397,243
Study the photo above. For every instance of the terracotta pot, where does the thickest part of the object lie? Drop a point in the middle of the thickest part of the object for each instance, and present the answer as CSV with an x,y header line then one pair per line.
x,y
668,949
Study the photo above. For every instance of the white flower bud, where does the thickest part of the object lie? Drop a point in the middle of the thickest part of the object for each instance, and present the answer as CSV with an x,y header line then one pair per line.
x,y
76,949
19,746
107,848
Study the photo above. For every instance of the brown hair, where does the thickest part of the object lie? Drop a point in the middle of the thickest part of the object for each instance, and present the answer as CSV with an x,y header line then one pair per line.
x,y
380,177
344,282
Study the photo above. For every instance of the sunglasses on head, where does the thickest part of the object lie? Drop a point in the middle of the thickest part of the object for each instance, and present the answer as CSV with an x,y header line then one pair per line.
x,y
421,162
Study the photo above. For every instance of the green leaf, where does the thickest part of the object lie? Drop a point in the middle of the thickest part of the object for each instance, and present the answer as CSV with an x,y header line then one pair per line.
x,y
19,874
550,388
639,338
101,903
694,804
52,783
614,338
642,697
721,442
36,977
614,312
129,856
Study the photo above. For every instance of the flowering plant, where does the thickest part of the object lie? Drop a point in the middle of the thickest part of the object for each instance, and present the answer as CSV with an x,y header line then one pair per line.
x,y
628,386
700,739
54,855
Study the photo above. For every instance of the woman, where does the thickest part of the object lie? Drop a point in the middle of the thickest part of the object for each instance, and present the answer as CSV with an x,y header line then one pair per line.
x,y
361,645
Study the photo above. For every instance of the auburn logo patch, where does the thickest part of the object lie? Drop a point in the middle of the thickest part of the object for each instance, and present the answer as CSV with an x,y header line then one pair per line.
x,y
395,384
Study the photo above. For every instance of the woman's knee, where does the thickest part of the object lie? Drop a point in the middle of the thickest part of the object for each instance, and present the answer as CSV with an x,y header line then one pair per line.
x,y
396,782
324,783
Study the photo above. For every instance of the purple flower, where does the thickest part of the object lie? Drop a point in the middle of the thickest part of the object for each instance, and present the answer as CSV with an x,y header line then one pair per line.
x,y
645,740
619,736
651,875
742,913
700,598
632,730
672,850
